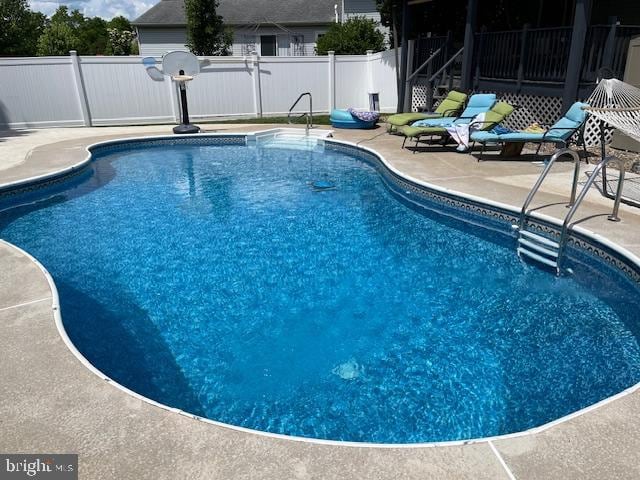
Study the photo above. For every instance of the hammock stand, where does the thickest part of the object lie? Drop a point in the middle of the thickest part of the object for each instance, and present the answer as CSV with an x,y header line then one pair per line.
x,y
616,104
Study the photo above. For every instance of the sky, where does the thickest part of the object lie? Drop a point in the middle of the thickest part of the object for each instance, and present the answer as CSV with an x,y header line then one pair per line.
x,y
106,9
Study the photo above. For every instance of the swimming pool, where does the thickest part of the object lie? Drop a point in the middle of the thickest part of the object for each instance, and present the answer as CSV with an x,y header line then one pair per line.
x,y
219,280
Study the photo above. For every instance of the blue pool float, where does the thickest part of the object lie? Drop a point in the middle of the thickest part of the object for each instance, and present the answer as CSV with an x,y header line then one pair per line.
x,y
346,119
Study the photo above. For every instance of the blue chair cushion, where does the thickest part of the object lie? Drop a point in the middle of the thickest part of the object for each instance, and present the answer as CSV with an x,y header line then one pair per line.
x,y
484,136
563,128
576,113
521,137
529,137
434,122
479,103
482,100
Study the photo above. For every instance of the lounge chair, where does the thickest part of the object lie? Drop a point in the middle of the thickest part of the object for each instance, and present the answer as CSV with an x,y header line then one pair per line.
x,y
479,103
559,133
449,107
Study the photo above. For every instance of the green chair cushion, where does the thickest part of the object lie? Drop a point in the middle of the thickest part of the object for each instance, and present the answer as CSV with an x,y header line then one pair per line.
x,y
411,132
449,107
400,119
457,96
496,115
503,108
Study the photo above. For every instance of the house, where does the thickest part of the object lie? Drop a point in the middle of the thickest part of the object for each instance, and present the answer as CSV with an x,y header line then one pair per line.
x,y
269,28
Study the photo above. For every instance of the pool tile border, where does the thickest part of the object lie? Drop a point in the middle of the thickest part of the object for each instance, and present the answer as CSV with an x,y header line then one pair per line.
x,y
505,217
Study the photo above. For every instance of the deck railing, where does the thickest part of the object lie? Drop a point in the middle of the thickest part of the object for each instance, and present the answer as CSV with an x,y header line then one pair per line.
x,y
542,54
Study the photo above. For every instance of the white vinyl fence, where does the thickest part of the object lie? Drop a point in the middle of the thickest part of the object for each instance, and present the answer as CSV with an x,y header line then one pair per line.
x,y
76,91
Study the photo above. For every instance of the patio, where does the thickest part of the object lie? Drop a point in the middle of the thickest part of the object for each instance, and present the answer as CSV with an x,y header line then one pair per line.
x,y
51,402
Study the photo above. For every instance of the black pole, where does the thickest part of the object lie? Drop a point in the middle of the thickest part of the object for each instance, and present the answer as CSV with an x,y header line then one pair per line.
x,y
469,37
574,66
405,54
183,101
610,45
185,126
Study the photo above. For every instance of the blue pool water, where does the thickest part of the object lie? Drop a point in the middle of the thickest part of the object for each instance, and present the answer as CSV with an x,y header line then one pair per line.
x,y
221,281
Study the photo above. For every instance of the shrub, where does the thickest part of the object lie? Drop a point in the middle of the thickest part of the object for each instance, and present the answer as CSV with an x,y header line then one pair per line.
x,y
354,37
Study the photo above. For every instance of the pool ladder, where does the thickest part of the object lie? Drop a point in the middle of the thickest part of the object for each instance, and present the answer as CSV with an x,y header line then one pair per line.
x,y
549,251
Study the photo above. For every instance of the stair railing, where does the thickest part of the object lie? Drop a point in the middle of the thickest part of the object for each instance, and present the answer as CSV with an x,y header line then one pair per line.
x,y
443,71
308,114
566,225
543,175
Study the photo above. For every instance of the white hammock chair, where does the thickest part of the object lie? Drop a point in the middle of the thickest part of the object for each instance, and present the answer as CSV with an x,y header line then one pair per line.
x,y
617,104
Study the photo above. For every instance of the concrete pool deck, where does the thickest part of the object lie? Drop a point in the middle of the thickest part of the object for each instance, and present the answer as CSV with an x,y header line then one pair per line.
x,y
50,402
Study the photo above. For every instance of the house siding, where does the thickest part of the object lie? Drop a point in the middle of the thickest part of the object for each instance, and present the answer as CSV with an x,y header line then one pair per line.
x,y
156,41
297,41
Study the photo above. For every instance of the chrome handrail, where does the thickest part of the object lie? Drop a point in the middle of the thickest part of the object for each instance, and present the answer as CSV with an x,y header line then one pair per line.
x,y
543,175
566,225
308,114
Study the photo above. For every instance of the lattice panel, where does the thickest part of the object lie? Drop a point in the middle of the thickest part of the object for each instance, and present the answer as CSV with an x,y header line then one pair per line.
x,y
532,109
418,97
546,111
592,131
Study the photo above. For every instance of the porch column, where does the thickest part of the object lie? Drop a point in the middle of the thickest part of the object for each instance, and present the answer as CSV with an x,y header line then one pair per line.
x,y
404,50
574,65
469,36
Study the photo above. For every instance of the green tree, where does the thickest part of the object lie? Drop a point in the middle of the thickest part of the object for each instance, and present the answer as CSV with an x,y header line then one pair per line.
x,y
120,23
93,37
122,37
206,34
57,39
121,41
20,28
354,37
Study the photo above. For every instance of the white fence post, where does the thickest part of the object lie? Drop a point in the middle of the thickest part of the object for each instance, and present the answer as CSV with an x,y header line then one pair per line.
x,y
257,93
370,84
332,80
82,96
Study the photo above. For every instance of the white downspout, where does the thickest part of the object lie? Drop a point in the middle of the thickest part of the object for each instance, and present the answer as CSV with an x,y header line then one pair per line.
x,y
342,11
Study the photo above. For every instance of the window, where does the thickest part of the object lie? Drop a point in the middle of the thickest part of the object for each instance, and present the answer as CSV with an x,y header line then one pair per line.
x,y
268,46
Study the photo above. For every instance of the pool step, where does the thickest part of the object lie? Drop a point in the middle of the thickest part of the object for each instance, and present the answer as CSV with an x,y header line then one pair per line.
x,y
292,141
538,248
527,244
538,258
538,238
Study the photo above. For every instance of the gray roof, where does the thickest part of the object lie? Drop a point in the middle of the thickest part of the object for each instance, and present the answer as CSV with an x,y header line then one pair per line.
x,y
246,12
